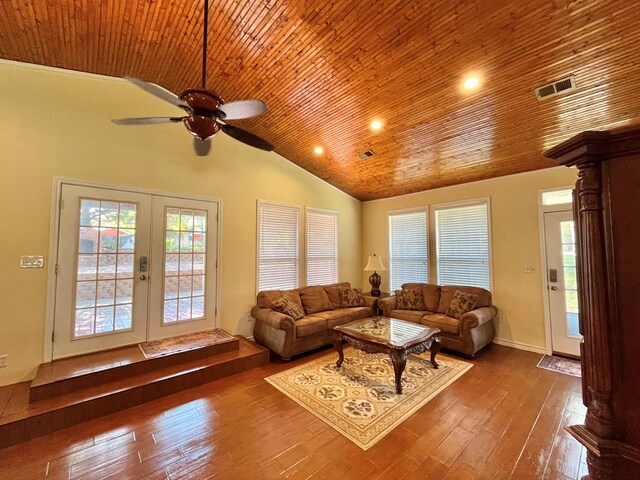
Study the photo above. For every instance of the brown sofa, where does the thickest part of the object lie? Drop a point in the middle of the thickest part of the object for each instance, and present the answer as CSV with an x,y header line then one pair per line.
x,y
286,336
467,335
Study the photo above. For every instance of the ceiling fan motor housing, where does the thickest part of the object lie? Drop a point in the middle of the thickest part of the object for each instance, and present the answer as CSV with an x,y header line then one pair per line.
x,y
204,104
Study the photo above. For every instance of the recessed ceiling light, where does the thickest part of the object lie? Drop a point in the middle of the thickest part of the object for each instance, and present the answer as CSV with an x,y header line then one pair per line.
x,y
471,83
376,125
318,150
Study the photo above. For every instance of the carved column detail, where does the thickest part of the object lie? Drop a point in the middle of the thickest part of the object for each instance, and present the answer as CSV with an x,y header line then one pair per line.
x,y
595,301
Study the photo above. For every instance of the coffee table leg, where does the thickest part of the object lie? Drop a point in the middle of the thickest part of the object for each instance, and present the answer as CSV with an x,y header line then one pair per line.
x,y
399,360
435,348
337,342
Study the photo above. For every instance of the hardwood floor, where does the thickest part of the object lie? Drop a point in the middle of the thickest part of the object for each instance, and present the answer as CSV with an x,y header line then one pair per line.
x,y
503,419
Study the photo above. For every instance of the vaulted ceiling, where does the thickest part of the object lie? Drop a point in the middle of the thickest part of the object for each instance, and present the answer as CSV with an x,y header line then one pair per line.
x,y
327,69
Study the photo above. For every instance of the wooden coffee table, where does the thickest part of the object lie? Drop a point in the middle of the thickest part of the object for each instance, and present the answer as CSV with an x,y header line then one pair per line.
x,y
395,337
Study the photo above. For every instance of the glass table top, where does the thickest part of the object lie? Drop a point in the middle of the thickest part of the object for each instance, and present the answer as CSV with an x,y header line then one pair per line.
x,y
386,330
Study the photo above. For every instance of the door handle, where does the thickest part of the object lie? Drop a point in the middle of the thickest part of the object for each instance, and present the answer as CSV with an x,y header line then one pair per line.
x,y
554,288
143,277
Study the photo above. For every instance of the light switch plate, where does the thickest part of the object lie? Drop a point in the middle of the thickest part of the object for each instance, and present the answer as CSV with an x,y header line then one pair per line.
x,y
31,261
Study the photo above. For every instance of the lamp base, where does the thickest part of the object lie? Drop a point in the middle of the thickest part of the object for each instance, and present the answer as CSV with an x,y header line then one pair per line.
x,y
375,280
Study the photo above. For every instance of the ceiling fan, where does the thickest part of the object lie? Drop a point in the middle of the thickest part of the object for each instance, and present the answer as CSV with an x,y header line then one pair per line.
x,y
206,112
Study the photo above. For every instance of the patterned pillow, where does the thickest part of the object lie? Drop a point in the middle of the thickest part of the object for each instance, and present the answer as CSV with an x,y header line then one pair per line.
x,y
461,303
350,297
410,299
285,305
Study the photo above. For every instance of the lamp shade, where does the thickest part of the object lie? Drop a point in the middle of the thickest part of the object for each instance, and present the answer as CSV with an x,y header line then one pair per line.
x,y
374,264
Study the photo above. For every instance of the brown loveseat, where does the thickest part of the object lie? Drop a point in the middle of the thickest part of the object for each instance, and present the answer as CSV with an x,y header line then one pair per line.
x,y
468,334
285,336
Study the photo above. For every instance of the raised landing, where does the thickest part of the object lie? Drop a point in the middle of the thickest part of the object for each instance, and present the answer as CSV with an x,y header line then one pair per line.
x,y
69,391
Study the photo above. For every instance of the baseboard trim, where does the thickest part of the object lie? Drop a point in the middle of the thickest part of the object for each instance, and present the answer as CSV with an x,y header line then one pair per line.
x,y
520,346
250,338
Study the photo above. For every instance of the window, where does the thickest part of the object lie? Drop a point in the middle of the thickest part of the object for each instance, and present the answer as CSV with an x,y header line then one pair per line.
x,y
278,246
462,244
322,247
408,248
557,197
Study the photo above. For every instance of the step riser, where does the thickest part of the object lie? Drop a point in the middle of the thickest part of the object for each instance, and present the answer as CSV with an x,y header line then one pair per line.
x,y
32,427
68,385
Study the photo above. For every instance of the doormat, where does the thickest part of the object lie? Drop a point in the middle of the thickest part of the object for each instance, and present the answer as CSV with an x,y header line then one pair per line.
x,y
568,366
359,399
167,346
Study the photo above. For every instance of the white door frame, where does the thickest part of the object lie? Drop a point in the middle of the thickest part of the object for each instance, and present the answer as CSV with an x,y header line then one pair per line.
x,y
542,209
54,226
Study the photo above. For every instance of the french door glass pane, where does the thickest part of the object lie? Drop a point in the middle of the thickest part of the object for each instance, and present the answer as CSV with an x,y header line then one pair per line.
x,y
104,274
184,264
570,284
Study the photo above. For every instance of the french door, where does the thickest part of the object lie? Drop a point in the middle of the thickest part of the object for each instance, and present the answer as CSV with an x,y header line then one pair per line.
x,y
132,267
562,288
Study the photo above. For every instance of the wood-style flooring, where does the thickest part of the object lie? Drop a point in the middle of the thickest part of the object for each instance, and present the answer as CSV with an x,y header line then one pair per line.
x,y
503,419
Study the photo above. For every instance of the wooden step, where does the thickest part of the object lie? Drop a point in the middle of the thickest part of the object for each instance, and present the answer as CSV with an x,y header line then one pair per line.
x,y
77,373
22,420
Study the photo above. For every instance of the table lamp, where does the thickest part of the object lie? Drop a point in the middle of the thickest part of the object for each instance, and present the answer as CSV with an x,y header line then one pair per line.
x,y
373,265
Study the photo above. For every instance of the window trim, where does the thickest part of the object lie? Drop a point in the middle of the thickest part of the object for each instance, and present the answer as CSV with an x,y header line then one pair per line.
x,y
301,268
401,211
462,203
324,211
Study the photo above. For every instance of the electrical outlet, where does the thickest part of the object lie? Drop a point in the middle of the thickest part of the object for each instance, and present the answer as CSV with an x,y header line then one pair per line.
x,y
4,360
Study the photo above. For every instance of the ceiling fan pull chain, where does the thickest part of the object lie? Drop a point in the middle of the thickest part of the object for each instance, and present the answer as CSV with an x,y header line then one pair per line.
x,y
204,44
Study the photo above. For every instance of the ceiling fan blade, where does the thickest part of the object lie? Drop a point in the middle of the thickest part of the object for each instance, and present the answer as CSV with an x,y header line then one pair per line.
x,y
242,109
146,120
158,91
201,147
246,137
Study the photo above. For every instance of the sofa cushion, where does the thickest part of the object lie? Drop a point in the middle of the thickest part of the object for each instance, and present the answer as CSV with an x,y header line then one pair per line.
x,y
315,299
430,294
461,303
447,292
286,305
350,297
333,292
444,323
310,325
360,312
335,317
409,315
409,299
266,297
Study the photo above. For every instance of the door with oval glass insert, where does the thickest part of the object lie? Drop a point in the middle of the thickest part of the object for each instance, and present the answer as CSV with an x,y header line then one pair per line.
x,y
111,290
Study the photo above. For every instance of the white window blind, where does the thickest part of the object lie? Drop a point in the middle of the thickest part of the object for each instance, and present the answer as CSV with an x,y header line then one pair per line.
x,y
462,245
278,246
322,247
408,248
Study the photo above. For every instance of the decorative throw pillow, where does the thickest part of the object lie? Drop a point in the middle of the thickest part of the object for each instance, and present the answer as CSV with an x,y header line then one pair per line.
x,y
289,307
461,303
409,299
350,297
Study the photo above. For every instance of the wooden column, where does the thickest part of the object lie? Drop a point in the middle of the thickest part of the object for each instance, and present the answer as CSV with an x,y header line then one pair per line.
x,y
606,298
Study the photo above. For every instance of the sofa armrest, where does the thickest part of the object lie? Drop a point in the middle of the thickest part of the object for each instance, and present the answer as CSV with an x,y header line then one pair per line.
x,y
386,305
273,318
478,317
369,301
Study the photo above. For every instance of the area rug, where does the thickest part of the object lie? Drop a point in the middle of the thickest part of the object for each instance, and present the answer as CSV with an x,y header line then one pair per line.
x,y
567,366
359,399
167,346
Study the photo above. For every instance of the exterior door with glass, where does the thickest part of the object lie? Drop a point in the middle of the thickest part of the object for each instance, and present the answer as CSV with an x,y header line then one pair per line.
x,y
131,267
101,287
562,288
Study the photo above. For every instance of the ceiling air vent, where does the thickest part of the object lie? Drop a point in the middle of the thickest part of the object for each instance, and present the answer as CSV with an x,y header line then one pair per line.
x,y
556,88
366,154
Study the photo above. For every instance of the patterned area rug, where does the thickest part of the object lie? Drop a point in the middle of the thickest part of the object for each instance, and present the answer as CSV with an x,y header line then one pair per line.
x,y
167,346
359,399
567,366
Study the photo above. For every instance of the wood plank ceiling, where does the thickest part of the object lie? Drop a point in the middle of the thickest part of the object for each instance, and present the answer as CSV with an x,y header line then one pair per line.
x,y
327,69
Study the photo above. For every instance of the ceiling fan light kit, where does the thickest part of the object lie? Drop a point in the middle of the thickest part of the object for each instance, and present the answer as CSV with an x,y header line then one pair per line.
x,y
206,112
